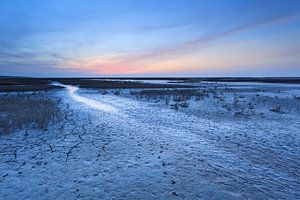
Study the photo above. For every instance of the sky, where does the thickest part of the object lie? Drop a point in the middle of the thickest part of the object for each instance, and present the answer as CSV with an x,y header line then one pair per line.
x,y
149,38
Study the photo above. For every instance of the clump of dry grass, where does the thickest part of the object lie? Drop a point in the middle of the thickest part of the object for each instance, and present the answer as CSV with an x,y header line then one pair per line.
x,y
178,95
18,111
277,109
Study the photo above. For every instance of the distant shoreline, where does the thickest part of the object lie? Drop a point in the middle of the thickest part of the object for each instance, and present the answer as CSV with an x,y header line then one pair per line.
x,y
295,80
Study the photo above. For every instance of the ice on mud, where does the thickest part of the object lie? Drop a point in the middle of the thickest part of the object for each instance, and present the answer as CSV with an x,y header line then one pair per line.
x,y
149,151
90,102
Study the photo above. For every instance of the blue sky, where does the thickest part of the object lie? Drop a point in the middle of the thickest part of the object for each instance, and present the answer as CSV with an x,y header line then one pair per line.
x,y
150,38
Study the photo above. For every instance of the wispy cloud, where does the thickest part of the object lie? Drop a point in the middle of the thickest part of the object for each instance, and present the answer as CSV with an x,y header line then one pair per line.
x,y
139,63
122,38
203,42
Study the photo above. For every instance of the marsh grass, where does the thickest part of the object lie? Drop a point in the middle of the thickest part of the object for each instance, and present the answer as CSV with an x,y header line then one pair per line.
x,y
177,95
14,84
113,84
24,111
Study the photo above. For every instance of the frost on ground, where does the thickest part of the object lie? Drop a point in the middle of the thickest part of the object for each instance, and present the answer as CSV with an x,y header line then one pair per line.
x,y
228,142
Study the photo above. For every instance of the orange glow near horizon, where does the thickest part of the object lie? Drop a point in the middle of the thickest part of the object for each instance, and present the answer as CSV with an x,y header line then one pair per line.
x,y
225,56
149,38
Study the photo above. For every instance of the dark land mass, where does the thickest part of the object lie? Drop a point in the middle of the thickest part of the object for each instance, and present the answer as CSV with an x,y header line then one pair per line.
x,y
114,84
196,79
19,84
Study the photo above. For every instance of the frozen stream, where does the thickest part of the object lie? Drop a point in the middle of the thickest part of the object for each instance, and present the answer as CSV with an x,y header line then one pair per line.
x,y
90,102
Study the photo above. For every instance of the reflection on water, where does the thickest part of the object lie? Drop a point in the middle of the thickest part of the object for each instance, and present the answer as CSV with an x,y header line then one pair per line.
x,y
90,102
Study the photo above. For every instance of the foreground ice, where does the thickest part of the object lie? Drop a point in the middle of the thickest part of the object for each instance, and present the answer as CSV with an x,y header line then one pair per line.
x,y
148,151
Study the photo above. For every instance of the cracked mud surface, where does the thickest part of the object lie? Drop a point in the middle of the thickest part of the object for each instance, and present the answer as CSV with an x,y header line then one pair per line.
x,y
146,151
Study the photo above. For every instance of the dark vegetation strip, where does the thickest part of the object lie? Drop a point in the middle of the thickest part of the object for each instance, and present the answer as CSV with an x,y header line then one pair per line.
x,y
209,79
113,84
188,92
27,88
19,84
295,80
177,95
15,84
